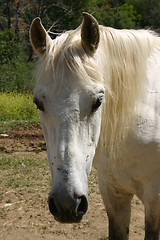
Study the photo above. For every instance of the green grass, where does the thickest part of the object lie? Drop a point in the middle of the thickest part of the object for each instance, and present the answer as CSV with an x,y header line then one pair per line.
x,y
17,109
21,172
24,178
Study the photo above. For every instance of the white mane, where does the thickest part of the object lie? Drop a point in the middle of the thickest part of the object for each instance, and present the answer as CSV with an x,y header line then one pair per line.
x,y
124,64
120,64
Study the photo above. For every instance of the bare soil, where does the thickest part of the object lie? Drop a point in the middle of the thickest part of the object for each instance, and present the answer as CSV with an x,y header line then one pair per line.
x,y
26,216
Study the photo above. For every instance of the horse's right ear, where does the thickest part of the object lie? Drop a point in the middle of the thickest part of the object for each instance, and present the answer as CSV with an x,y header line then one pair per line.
x,y
38,36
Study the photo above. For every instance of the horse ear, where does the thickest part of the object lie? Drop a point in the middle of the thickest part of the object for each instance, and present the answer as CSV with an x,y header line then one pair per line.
x,y
38,36
90,33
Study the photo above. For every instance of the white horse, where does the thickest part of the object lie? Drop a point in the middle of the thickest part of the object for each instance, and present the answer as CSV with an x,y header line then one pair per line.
x,y
98,91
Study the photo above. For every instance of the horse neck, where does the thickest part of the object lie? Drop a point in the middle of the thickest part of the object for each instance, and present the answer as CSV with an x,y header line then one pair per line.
x,y
123,56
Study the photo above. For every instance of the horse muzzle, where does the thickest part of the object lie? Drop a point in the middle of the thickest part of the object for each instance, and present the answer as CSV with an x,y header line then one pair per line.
x,y
68,209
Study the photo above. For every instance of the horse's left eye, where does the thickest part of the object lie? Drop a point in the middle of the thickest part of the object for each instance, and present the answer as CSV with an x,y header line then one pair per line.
x,y
96,105
98,101
39,104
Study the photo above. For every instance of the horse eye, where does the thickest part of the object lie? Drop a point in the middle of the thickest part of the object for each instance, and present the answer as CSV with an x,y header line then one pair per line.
x,y
39,104
98,101
96,105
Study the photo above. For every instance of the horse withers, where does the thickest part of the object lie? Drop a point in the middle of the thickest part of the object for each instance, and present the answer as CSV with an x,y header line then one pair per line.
x,y
98,91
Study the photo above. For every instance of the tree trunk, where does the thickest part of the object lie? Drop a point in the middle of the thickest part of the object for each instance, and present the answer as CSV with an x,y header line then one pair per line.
x,y
9,13
17,15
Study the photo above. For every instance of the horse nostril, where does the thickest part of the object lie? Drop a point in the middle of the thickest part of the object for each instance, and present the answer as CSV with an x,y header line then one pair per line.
x,y
52,206
67,210
83,205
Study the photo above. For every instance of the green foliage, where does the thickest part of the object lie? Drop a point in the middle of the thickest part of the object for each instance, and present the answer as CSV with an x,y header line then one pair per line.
x,y
17,75
73,17
128,17
117,15
9,46
16,106
67,14
149,11
16,72
104,14
17,109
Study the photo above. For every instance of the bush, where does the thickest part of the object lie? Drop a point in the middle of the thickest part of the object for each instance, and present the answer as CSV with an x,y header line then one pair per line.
x,y
10,46
17,76
17,109
16,72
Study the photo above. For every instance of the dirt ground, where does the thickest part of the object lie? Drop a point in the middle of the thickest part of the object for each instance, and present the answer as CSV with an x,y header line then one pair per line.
x,y
26,216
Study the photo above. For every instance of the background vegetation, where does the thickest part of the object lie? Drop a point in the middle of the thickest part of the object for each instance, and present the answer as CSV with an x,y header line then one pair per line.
x,y
17,59
16,108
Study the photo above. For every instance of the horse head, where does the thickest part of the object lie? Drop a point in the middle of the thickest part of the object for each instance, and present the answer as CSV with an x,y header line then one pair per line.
x,y
69,94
